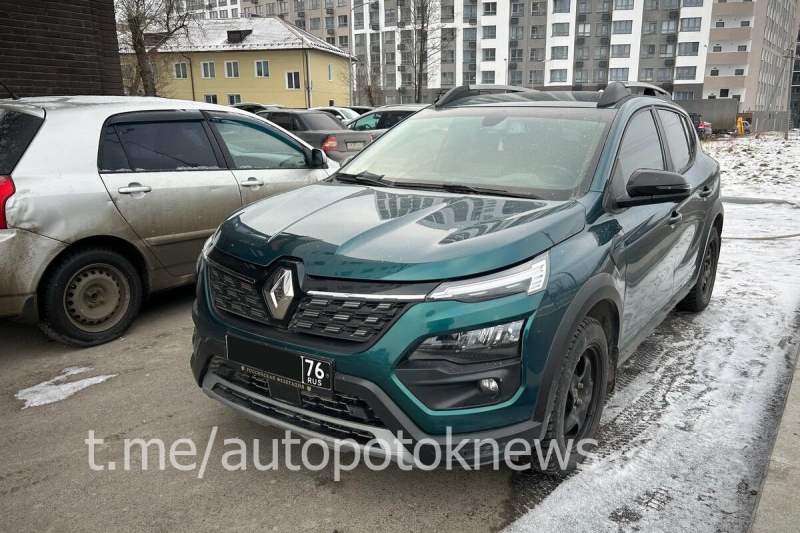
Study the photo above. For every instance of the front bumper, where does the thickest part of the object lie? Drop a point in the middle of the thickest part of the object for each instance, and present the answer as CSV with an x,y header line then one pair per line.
x,y
24,256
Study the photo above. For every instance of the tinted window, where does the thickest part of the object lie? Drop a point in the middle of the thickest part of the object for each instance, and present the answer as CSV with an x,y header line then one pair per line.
x,y
675,138
113,156
320,122
167,145
16,132
390,118
367,122
256,146
284,120
640,146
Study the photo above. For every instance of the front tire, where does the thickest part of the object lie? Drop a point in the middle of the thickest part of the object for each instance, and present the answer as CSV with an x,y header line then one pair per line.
x,y
579,400
91,296
700,294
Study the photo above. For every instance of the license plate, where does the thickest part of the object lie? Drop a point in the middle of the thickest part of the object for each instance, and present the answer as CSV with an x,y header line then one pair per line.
x,y
355,146
285,367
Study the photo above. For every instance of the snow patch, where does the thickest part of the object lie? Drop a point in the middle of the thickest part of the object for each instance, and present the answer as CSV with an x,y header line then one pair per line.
x,y
54,390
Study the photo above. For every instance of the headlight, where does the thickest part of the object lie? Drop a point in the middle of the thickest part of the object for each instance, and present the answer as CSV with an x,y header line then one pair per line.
x,y
478,345
530,277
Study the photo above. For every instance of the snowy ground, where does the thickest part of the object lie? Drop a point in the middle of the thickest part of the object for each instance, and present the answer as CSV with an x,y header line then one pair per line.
x,y
686,436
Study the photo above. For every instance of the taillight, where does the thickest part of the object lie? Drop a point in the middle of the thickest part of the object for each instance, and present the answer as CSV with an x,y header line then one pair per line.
x,y
331,143
6,191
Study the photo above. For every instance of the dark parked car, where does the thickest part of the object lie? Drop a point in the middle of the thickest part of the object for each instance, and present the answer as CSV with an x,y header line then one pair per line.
x,y
320,130
482,271
256,108
360,109
379,120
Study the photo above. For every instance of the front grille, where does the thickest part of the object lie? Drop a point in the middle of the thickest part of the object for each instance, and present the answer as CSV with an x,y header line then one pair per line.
x,y
235,295
342,406
351,320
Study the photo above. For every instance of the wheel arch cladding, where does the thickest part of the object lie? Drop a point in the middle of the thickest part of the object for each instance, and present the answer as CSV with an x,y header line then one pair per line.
x,y
598,298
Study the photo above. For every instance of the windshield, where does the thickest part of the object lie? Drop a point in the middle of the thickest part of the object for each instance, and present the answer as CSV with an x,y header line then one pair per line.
x,y
320,121
550,153
348,114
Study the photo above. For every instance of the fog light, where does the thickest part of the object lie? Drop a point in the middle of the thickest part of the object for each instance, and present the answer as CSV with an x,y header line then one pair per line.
x,y
489,386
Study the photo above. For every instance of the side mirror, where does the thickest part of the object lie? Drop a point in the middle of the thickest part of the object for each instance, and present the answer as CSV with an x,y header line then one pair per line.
x,y
650,186
318,158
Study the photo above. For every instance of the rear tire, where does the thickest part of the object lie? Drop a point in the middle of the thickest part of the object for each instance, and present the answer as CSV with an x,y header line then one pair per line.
x,y
91,296
579,400
700,294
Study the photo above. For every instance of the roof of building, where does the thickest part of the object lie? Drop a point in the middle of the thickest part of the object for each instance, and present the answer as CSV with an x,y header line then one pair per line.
x,y
265,33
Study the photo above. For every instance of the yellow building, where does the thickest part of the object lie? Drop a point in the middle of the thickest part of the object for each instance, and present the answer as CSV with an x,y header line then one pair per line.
x,y
261,60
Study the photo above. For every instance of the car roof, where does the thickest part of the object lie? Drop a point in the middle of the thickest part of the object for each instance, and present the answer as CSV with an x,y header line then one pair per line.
x,y
400,107
107,105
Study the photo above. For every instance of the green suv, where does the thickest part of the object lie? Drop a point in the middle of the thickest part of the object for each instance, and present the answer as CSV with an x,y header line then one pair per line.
x,y
480,271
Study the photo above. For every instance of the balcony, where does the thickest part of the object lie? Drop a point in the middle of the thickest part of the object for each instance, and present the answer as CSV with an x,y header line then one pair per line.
x,y
724,82
727,58
738,9
730,34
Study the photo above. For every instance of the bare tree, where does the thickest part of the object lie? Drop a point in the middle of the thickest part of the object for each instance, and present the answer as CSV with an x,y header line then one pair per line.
x,y
145,25
427,40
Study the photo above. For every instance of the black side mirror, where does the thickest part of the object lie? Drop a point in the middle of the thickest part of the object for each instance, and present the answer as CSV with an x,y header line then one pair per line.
x,y
650,186
318,158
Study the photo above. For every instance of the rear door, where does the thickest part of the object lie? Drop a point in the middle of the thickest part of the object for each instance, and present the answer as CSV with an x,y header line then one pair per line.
x,y
265,160
168,179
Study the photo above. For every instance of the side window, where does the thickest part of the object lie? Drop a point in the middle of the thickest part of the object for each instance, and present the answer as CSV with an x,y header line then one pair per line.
x,y
255,146
691,134
640,146
390,119
369,122
167,145
675,138
113,156
284,120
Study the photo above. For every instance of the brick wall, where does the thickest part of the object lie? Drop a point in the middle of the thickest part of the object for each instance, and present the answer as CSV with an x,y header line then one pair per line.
x,y
59,47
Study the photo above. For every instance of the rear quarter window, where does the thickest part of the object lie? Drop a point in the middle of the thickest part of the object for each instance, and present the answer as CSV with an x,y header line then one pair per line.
x,y
17,130
158,146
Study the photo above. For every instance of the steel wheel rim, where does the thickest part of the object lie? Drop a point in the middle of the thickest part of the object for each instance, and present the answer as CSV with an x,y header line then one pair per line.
x,y
709,268
581,402
96,298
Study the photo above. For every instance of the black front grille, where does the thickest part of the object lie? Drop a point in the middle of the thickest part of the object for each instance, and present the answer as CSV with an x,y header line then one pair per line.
x,y
351,320
236,295
341,406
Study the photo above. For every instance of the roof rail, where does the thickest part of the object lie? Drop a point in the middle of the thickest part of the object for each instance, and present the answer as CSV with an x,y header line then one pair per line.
x,y
647,89
465,91
617,90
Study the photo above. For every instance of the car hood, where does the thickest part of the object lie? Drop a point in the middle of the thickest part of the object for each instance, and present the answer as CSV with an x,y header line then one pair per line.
x,y
356,232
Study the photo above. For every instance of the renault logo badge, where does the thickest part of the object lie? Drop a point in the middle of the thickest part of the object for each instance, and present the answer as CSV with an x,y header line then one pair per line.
x,y
279,292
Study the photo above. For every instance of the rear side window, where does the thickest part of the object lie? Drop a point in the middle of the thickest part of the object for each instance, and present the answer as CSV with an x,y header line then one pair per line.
x,y
152,146
320,122
676,139
284,120
17,130
113,156
640,147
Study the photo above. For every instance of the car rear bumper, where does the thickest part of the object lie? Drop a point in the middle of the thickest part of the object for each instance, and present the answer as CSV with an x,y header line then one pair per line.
x,y
24,256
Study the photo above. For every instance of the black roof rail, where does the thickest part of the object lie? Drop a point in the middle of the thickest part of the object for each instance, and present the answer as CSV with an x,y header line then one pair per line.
x,y
465,91
647,89
617,90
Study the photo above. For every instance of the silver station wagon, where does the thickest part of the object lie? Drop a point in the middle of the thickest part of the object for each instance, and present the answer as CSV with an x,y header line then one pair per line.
x,y
104,200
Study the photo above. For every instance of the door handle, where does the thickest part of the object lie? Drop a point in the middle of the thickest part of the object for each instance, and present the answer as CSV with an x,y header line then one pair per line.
x,y
675,218
706,192
134,188
252,182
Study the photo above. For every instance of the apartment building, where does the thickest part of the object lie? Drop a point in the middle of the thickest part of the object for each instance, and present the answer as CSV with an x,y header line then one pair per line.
x,y
794,100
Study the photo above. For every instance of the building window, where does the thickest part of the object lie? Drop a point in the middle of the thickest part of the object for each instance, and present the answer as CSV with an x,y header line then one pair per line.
x,y
599,75
234,99
649,27
558,75
559,52
231,69
537,54
582,53
623,27
619,74
518,9
293,80
180,71
604,6
623,4
650,5
668,27
741,48
331,40
342,20
448,56
468,78
714,72
330,72
344,41
262,68
448,78
717,48
719,24
489,54
648,50
328,23
539,8
517,32
745,24
561,29
723,93
684,95
584,6
208,69
561,6
688,49
584,30
210,98
692,3
602,29
670,5
601,52
470,56
487,77
490,32
515,77
300,23
685,73
738,72
489,8
581,75
537,32
390,16
691,24
470,12
665,74
315,23
536,77
645,74
621,50
516,55
666,50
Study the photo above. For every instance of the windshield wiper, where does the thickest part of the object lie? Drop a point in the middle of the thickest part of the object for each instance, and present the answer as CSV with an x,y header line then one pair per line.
x,y
467,189
363,178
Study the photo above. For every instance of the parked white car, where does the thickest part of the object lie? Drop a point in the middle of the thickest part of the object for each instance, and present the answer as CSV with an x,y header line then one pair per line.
x,y
104,200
